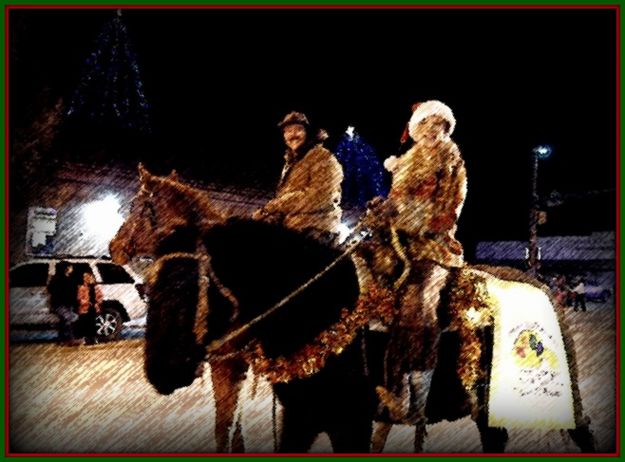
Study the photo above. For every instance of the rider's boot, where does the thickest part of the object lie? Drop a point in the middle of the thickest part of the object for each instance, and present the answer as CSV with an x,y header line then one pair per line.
x,y
407,405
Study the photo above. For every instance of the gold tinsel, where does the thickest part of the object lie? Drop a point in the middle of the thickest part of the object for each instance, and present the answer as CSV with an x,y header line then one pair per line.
x,y
376,303
470,310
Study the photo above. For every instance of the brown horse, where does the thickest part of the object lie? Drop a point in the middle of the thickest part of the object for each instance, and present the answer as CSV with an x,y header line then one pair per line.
x,y
178,223
147,232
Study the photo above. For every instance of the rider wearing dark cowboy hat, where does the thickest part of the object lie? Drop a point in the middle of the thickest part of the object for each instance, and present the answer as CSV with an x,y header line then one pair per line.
x,y
309,192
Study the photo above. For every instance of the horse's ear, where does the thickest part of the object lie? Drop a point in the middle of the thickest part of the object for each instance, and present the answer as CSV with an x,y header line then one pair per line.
x,y
144,175
174,175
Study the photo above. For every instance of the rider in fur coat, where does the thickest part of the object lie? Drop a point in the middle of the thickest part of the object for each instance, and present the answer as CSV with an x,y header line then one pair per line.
x,y
429,187
419,219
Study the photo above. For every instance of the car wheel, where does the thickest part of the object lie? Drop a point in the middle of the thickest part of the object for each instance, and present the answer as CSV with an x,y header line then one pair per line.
x,y
108,324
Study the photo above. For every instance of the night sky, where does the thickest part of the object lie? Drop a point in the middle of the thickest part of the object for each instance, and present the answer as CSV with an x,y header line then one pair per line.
x,y
218,81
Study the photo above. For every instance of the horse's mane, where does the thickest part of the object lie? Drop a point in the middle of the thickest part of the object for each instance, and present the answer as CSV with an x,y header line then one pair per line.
x,y
197,200
188,211
262,263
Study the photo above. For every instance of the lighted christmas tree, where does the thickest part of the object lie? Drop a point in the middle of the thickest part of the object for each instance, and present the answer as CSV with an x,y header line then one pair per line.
x,y
111,90
362,170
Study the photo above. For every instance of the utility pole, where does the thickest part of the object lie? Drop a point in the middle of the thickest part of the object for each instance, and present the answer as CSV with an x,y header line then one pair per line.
x,y
533,255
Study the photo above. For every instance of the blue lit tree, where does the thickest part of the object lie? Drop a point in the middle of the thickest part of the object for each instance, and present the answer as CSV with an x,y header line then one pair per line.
x,y
363,171
111,90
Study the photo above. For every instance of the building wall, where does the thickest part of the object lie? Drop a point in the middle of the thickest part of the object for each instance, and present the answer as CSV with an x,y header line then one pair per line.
x,y
596,246
76,186
592,256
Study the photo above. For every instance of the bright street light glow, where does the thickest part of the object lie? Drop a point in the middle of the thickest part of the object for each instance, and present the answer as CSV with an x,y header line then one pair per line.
x,y
542,151
102,219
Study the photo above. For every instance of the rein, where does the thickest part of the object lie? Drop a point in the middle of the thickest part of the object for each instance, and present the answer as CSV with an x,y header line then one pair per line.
x,y
200,325
217,344
200,329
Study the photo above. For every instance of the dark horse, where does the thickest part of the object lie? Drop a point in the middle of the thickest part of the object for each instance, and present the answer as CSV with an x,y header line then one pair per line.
x,y
260,264
252,266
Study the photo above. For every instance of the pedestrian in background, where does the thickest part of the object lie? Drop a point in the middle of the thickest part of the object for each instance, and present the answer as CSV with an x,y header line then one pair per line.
x,y
580,295
89,304
63,292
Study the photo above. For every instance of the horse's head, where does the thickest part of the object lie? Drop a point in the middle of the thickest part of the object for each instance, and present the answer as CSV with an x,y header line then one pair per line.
x,y
180,324
173,346
165,216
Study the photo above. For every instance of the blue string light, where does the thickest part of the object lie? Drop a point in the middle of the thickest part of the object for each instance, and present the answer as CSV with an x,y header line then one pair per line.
x,y
362,170
111,86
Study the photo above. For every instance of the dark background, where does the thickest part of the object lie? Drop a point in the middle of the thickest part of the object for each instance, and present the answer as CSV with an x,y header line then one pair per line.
x,y
218,81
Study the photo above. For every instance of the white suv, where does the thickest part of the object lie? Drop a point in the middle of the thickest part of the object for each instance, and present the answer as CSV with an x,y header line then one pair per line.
x,y
123,290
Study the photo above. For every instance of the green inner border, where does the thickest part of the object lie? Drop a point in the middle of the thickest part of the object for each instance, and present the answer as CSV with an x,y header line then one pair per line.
x,y
104,3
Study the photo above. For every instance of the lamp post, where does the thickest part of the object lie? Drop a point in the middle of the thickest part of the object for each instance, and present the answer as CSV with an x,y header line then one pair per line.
x,y
541,152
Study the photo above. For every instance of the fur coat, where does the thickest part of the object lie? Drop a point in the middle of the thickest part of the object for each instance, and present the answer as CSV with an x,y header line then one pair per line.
x,y
428,191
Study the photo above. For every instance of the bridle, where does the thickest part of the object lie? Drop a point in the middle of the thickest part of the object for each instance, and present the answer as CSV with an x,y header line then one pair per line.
x,y
146,209
148,206
206,275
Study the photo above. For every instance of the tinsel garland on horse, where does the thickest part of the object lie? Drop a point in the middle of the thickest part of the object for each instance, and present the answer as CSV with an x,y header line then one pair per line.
x,y
214,276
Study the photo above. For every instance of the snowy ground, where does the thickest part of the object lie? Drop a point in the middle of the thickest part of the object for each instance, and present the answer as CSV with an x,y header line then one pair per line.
x,y
96,399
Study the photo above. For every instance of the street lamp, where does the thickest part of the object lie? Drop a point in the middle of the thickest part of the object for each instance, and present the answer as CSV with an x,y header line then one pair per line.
x,y
101,220
541,152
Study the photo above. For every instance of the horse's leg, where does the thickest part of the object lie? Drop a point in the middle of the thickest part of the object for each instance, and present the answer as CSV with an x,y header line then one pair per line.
x,y
352,439
299,431
581,434
350,430
237,445
419,436
493,439
227,376
380,435
416,387
583,437
420,383
382,430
